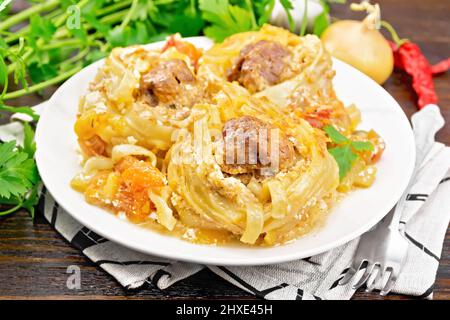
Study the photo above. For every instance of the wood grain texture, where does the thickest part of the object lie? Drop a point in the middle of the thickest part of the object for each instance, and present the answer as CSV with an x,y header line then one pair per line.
x,y
34,258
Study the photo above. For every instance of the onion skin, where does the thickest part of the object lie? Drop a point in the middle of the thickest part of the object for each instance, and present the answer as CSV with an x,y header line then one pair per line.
x,y
364,48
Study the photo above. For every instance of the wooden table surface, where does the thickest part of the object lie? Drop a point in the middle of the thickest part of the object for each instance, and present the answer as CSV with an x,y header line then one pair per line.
x,y
34,257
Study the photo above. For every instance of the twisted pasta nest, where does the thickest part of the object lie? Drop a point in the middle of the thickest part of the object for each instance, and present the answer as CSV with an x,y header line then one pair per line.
x,y
253,206
295,73
218,146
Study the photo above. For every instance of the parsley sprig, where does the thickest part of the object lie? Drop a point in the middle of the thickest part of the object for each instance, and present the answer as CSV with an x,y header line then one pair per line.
x,y
19,178
344,150
39,48
226,19
49,41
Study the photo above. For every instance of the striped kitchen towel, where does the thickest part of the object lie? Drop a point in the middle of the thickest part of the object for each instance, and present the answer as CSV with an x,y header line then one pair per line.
x,y
424,220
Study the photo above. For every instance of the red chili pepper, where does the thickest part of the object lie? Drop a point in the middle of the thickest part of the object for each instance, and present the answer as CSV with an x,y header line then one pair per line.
x,y
397,59
409,57
441,67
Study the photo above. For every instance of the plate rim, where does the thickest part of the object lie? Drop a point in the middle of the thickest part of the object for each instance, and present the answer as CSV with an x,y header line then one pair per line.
x,y
214,260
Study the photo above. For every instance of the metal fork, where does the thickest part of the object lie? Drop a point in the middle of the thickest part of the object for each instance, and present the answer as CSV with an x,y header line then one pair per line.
x,y
384,247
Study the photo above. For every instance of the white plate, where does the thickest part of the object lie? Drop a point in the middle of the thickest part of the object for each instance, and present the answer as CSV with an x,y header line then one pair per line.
x,y
58,162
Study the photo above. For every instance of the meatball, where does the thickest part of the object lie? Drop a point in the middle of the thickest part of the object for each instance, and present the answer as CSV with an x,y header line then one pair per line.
x,y
261,64
248,147
170,83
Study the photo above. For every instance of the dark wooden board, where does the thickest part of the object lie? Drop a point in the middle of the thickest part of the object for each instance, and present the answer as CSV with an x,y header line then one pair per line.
x,y
34,258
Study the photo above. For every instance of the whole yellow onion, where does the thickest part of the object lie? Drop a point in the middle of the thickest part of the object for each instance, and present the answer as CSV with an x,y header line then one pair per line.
x,y
361,45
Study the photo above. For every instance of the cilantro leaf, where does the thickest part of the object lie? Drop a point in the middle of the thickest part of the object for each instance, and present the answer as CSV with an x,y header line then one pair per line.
x,y
344,157
335,135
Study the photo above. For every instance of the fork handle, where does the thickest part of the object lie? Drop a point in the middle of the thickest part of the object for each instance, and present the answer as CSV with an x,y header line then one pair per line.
x,y
425,123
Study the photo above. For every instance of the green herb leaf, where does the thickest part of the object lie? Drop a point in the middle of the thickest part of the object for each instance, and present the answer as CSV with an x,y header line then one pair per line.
x,y
93,56
362,145
335,135
29,146
344,157
158,37
118,37
264,10
32,200
3,44
304,23
5,7
41,28
140,33
288,6
19,178
226,19
3,76
345,151
91,5
67,3
93,21
24,110
321,22
79,33
186,25
143,9
18,173
42,72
